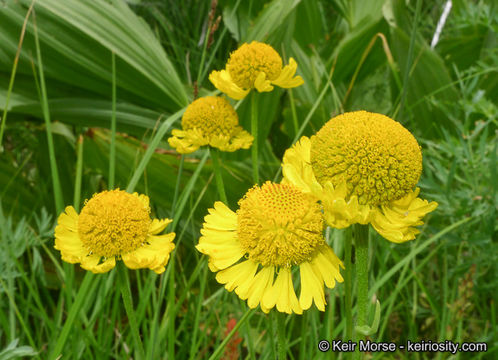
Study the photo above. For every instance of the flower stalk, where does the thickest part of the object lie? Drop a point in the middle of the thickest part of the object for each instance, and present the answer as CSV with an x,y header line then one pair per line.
x,y
282,348
360,233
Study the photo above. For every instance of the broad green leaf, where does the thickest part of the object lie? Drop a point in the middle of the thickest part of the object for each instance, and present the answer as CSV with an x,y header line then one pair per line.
x,y
270,19
77,39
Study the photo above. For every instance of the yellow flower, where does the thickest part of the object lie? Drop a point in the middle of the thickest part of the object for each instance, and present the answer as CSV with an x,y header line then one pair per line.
x,y
255,65
364,168
276,228
113,225
210,121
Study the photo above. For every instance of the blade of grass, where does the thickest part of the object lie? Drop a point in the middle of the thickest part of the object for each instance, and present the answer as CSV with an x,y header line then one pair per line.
x,y
409,59
13,74
112,150
163,129
59,201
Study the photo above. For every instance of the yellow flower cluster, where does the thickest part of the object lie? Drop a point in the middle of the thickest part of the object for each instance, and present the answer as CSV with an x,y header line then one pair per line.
x,y
360,167
364,168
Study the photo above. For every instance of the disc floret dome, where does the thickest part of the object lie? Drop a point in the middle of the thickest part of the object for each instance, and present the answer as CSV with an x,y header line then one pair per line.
x,y
364,168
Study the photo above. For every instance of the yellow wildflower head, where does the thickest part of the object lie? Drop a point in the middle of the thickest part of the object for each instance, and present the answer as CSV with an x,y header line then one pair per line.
x,y
276,227
212,121
279,225
379,159
255,65
364,168
113,225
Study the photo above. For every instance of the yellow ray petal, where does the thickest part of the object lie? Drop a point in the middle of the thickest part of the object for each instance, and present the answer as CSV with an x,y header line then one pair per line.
x,y
262,84
238,274
223,82
286,78
328,269
154,255
93,263
262,281
158,225
282,294
396,222
296,167
311,288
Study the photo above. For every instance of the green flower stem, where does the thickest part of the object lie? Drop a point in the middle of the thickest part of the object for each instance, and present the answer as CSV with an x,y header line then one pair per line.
x,y
171,314
282,343
215,156
254,132
73,312
225,341
348,304
360,233
124,283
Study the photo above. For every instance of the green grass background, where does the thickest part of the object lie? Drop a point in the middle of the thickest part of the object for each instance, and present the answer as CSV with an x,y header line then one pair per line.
x,y
56,97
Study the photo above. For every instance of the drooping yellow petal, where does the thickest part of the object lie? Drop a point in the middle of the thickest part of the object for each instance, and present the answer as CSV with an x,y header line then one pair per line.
x,y
296,167
339,212
261,282
96,264
262,84
240,140
222,256
153,255
326,264
236,275
286,78
311,288
282,294
223,82
186,142
396,222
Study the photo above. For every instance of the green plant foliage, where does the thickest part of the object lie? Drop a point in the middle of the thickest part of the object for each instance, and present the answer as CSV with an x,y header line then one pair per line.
x,y
352,55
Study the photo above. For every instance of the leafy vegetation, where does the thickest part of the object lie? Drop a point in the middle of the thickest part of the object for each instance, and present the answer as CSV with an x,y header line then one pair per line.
x,y
56,81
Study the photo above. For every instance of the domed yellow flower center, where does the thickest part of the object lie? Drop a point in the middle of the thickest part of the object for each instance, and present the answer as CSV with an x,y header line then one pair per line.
x,y
249,60
212,115
378,158
113,223
279,225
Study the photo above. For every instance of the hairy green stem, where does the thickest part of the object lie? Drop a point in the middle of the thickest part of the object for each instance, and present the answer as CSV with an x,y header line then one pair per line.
x,y
348,304
360,233
282,341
